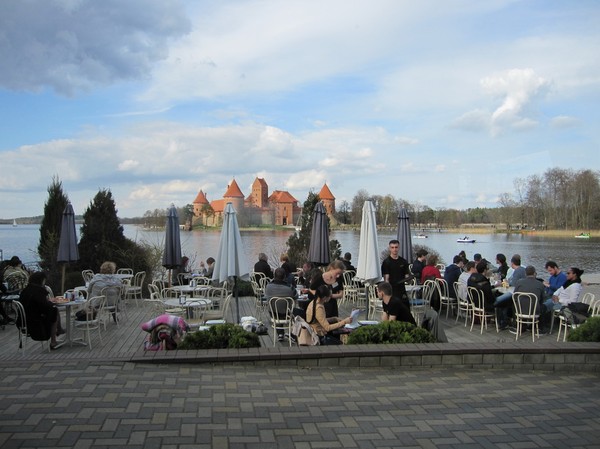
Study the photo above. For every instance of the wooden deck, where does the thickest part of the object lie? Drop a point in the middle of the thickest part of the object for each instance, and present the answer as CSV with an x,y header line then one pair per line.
x,y
121,342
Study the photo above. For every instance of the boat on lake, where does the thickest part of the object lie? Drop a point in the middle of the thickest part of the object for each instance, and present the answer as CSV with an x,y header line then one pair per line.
x,y
421,236
465,239
15,223
583,235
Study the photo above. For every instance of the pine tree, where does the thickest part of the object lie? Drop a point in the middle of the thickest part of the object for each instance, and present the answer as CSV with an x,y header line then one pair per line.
x,y
50,227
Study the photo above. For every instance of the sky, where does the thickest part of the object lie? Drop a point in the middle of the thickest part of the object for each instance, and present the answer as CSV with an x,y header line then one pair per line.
x,y
440,103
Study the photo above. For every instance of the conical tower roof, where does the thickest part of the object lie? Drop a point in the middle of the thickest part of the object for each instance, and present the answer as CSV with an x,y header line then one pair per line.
x,y
325,193
200,198
233,191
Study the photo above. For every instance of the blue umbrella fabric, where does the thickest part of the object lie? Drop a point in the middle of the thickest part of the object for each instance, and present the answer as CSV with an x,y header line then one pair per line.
x,y
318,250
231,260
368,270
404,236
172,253
67,245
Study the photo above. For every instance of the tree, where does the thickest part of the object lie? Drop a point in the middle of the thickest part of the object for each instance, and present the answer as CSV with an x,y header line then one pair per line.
x,y
343,212
357,205
102,238
50,229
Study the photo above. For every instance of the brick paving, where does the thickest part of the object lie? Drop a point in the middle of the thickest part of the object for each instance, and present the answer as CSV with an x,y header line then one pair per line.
x,y
87,404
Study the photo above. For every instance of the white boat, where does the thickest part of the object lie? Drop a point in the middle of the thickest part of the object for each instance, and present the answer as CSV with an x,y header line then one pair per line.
x,y
421,236
465,240
583,235
15,223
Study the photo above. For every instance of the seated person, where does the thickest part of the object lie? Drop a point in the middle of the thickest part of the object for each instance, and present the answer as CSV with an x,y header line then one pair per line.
x,y
430,271
480,282
207,270
419,264
348,262
517,273
279,288
106,278
332,277
305,275
43,319
181,269
290,270
568,293
323,326
452,273
556,280
15,275
393,308
529,284
262,266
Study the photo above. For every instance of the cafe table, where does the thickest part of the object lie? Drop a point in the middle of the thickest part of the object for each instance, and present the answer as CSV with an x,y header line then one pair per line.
x,y
189,304
62,303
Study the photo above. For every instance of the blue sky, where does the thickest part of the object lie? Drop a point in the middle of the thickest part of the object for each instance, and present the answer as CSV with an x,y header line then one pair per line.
x,y
439,103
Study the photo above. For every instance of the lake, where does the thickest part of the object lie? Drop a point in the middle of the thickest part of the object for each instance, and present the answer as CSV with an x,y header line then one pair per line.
x,y
198,245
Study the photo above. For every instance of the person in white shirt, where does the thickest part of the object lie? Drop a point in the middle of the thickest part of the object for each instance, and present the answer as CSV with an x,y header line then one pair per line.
x,y
568,293
463,279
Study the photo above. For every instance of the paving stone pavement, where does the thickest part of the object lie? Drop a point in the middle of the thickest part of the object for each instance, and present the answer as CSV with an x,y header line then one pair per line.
x,y
109,404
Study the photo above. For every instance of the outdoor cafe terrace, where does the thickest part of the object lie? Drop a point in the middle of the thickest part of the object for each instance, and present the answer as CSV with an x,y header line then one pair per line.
x,y
123,342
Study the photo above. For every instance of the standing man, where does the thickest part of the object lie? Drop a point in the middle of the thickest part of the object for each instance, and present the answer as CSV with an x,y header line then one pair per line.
x,y
557,278
395,271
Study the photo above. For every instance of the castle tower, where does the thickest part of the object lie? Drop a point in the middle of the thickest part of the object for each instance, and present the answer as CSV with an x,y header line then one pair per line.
x,y
199,203
260,193
328,200
234,196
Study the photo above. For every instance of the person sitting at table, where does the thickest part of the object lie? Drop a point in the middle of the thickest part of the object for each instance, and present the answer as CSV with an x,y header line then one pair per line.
x,y
419,264
15,275
262,266
528,284
393,308
43,319
106,278
568,293
502,266
306,274
430,270
480,282
181,269
332,278
278,288
556,280
315,316
289,268
452,273
518,273
207,270
463,279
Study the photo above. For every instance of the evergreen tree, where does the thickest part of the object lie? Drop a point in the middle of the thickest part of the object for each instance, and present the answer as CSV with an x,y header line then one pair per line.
x,y
299,242
50,226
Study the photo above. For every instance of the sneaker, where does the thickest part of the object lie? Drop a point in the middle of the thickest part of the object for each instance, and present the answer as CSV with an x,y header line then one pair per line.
x,y
280,337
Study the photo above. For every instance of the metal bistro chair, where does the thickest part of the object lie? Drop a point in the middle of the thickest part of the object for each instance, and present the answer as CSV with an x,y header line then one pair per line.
x,y
279,321
94,313
419,305
564,324
526,306
217,316
134,291
445,298
463,304
478,309
375,304
114,303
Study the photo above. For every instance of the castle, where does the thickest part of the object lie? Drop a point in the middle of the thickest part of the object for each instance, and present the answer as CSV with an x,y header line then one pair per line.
x,y
258,208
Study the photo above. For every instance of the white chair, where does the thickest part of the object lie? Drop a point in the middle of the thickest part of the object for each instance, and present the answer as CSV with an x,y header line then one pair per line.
x,y
114,306
125,271
217,316
478,309
134,290
421,302
375,304
564,324
87,276
445,299
463,303
94,314
280,309
526,308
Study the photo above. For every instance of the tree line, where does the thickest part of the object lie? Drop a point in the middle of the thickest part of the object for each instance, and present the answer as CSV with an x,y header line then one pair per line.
x,y
557,199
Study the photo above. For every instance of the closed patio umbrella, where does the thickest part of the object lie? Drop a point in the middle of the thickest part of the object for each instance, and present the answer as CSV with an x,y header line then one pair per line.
x,y
318,250
67,245
172,253
404,236
368,270
231,260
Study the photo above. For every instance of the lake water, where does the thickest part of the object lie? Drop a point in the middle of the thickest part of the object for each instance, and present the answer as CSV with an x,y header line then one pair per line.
x,y
198,245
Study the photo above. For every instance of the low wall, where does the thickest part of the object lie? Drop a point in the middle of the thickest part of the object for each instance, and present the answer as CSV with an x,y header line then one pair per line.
x,y
548,356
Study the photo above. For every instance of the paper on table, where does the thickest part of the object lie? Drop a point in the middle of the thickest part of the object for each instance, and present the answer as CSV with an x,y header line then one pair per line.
x,y
354,314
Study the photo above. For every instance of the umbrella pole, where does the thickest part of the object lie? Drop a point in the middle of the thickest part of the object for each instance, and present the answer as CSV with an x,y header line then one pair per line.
x,y
62,284
237,299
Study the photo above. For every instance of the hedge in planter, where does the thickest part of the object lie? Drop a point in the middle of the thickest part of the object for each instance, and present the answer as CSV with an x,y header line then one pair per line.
x,y
220,336
388,332
588,331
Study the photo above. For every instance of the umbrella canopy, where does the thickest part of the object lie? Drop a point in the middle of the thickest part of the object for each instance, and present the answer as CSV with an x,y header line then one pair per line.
x,y
231,260
172,253
67,245
369,266
404,236
318,250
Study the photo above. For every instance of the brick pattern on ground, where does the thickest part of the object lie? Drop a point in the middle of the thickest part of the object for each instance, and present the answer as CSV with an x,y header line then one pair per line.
x,y
82,404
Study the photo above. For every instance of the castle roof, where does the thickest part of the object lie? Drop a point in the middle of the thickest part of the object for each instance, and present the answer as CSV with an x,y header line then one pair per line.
x,y
233,191
200,198
282,196
218,205
262,182
325,193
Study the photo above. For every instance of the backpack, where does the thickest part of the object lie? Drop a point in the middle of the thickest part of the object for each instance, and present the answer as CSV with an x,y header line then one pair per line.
x,y
576,312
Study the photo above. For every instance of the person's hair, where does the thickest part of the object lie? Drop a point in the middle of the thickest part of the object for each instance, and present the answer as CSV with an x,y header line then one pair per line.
x,y
394,242
347,256
422,252
470,264
14,261
210,260
501,258
279,274
578,272
262,256
516,259
530,270
336,265
477,257
481,267
551,264
457,259
432,259
309,265
184,260
108,267
463,254
385,288
284,258
37,278
323,291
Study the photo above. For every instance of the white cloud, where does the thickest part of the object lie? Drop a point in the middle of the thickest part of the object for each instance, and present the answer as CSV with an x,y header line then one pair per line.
x,y
564,122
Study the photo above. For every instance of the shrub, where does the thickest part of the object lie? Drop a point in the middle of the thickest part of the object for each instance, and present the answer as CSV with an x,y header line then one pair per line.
x,y
388,332
588,331
220,336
